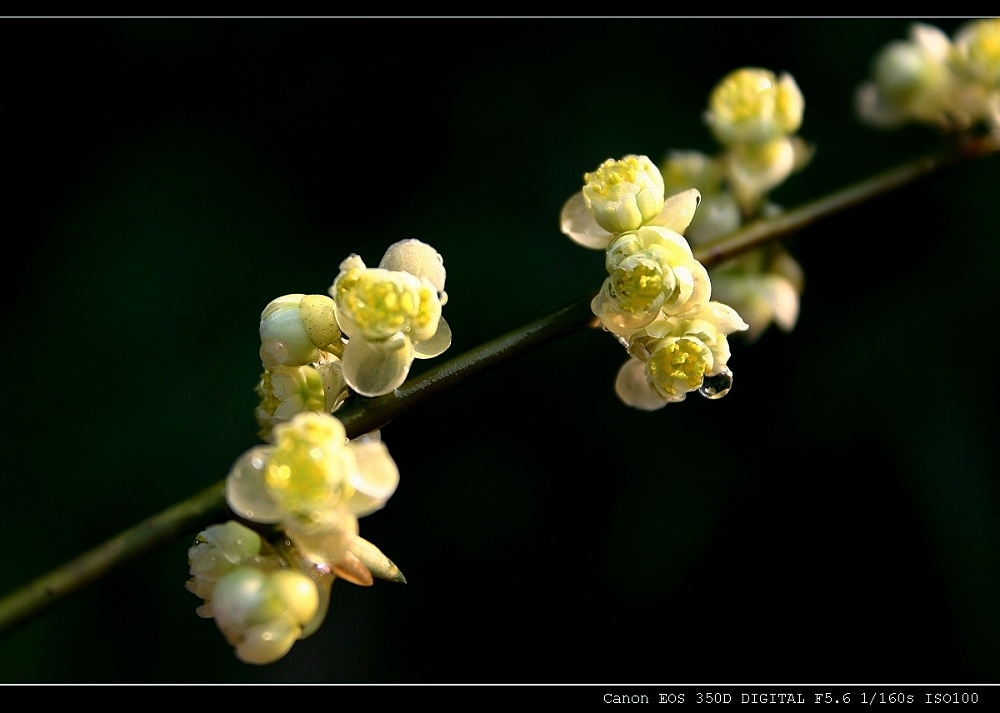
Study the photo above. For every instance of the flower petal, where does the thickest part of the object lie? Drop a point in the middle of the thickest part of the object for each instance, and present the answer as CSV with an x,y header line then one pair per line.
x,y
246,491
577,223
373,369
633,387
678,211
375,479
436,345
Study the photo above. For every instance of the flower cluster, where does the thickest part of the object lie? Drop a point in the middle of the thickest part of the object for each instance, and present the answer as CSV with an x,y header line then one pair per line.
x,y
313,484
260,603
656,298
754,114
309,483
951,83
363,336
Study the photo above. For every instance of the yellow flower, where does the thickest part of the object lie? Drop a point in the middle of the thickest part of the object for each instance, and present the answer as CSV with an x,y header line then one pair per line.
x,y
753,105
314,482
975,61
673,356
623,195
975,53
651,272
764,286
390,316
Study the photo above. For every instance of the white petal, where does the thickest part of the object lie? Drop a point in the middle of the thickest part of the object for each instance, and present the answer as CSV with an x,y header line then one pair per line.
x,y
633,388
577,222
678,211
246,491
373,370
435,345
784,301
266,643
375,479
417,258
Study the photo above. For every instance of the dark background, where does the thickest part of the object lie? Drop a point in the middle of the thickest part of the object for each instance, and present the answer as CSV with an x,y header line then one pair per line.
x,y
834,519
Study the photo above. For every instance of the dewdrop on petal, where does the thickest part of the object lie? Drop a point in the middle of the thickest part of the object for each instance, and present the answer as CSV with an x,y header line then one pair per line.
x,y
674,356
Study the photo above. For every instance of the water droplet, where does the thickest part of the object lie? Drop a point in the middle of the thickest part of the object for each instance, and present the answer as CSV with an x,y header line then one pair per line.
x,y
715,387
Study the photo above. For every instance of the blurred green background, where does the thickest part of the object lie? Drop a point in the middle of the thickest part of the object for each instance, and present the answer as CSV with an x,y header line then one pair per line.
x,y
834,519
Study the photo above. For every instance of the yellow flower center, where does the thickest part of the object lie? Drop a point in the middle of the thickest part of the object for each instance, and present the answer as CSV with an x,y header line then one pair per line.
x,y
379,305
612,176
744,95
679,363
306,467
637,283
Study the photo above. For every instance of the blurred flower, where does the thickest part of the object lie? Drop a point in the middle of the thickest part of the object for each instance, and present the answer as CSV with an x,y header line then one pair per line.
x,y
909,80
754,106
764,286
952,84
260,604
718,213
975,61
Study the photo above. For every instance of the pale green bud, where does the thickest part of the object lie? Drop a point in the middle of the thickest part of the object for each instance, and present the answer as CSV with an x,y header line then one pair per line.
x,y
296,328
262,612
416,258
218,550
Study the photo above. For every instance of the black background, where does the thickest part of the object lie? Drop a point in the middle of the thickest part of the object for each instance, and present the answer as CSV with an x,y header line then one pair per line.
x,y
835,518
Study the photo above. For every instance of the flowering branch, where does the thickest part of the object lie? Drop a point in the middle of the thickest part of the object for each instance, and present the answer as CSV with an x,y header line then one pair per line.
x,y
361,415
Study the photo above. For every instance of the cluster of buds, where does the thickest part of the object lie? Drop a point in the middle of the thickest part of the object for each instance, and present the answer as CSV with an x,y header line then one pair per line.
x,y
657,297
307,489
754,114
951,83
261,604
362,337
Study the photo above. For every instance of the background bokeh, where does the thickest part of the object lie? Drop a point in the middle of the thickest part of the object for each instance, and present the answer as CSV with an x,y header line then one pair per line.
x,y
836,518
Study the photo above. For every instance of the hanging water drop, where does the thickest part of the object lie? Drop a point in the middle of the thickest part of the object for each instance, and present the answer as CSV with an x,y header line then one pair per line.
x,y
717,386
